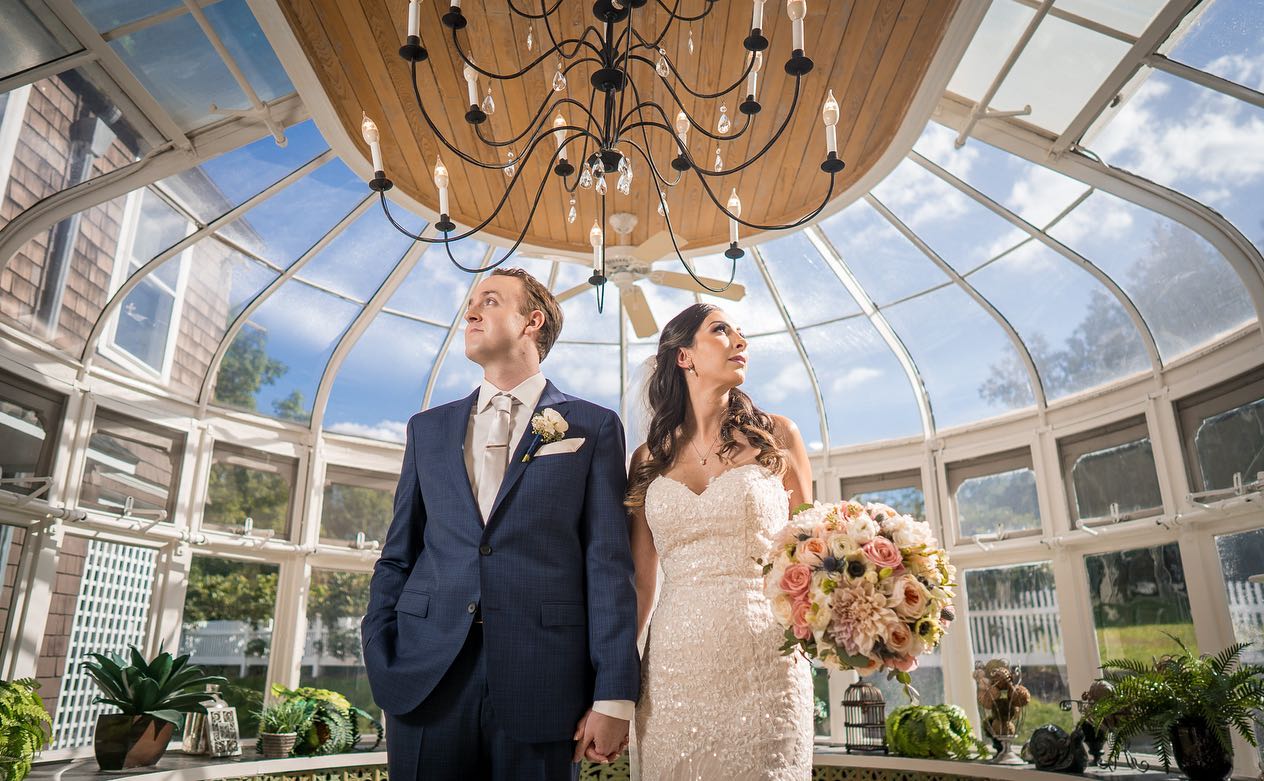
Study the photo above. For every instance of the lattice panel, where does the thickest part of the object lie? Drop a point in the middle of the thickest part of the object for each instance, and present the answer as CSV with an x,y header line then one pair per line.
x,y
110,614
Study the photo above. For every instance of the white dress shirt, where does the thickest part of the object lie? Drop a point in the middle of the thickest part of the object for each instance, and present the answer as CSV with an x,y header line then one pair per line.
x,y
526,396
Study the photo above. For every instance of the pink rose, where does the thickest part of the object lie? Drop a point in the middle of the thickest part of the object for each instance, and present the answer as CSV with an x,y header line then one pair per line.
x,y
799,619
883,553
899,639
905,664
796,580
811,551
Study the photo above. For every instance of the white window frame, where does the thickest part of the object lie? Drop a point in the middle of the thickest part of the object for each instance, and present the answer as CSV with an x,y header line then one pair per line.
x,y
356,478
1192,410
11,121
991,464
887,481
1072,448
122,269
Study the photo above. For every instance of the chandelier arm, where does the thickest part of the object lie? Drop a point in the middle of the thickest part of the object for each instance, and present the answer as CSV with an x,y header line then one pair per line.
x,y
829,193
623,66
746,124
579,42
573,186
646,151
750,63
677,17
671,234
528,15
545,108
548,28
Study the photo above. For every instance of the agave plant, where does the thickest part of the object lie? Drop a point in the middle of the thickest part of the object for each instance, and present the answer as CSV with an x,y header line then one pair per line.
x,y
161,689
1150,699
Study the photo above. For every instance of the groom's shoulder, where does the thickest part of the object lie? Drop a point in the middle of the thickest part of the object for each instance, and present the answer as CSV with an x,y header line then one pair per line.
x,y
592,408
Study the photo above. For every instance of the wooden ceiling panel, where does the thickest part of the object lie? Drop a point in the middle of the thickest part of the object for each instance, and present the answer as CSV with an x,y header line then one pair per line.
x,y
872,53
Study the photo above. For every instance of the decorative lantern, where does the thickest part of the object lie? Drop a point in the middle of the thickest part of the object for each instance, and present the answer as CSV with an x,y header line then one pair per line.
x,y
864,719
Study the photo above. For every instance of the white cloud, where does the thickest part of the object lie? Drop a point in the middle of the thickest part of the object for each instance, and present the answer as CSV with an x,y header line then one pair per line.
x,y
385,430
854,378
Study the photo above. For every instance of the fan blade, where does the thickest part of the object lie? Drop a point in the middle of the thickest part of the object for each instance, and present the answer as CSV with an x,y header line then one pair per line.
x,y
638,310
735,292
565,294
656,247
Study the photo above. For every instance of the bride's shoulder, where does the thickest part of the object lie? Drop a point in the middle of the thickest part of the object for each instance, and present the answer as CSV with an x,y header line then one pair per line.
x,y
785,430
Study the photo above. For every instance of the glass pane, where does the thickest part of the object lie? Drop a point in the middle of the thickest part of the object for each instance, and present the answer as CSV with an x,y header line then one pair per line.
x,y
1130,17
1192,139
1013,614
886,264
459,376
1078,333
248,46
1001,502
287,224
909,501
1033,192
821,707
356,503
105,15
126,462
357,262
276,361
436,290
1226,40
580,320
383,379
963,233
143,324
959,355
778,383
332,660
1139,598
588,371
249,484
25,40
1122,475
809,287
221,183
866,391
756,313
100,604
928,680
1061,68
1230,443
1242,557
992,43
28,434
158,226
227,629
1184,288
11,542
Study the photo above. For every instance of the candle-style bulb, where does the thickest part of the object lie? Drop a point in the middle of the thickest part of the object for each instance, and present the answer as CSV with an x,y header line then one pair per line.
x,y
682,126
735,204
440,174
829,112
796,9
595,234
471,83
368,129
414,18
559,135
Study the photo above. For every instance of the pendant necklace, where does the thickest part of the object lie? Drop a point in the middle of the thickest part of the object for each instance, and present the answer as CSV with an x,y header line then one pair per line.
x,y
701,458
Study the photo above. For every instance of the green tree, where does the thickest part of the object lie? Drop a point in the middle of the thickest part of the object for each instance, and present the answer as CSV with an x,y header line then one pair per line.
x,y
237,492
293,408
246,368
224,590
349,509
333,597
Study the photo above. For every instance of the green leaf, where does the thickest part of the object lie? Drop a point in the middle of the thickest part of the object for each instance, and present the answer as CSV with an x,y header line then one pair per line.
x,y
172,716
801,508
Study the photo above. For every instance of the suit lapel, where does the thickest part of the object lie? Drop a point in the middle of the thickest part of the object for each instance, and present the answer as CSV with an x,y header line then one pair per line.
x,y
455,428
552,397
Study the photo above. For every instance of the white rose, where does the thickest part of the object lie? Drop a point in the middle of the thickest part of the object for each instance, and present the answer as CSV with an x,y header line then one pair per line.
x,y
863,529
782,608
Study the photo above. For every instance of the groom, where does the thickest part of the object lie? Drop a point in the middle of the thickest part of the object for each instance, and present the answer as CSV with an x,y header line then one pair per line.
x,y
500,637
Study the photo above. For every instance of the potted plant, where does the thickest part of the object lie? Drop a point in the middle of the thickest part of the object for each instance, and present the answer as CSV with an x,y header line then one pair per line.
x,y
280,724
1186,704
151,696
335,724
23,723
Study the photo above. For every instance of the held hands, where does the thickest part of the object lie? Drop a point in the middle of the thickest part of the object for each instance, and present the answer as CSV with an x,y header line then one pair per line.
x,y
600,738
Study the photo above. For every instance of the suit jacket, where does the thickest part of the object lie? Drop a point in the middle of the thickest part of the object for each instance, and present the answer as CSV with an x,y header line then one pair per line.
x,y
551,571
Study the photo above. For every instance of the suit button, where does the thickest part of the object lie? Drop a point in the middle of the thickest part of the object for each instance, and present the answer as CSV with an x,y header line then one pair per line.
x,y
470,608
486,550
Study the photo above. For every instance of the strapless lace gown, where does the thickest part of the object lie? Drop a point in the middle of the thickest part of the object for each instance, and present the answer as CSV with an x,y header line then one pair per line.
x,y
718,700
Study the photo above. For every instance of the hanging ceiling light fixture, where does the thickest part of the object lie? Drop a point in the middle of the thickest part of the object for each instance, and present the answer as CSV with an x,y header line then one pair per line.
x,y
619,62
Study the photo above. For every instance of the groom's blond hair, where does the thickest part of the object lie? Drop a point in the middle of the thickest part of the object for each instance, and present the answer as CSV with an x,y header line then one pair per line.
x,y
537,296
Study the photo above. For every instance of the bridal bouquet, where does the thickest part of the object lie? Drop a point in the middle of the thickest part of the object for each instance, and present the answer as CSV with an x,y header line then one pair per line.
x,y
859,587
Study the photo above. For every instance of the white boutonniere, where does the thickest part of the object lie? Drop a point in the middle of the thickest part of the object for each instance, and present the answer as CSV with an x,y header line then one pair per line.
x,y
546,426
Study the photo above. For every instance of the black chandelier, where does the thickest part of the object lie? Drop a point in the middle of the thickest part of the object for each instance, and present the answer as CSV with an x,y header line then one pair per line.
x,y
616,122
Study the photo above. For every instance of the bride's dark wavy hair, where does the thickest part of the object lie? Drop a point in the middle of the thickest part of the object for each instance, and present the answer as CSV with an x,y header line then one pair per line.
x,y
669,400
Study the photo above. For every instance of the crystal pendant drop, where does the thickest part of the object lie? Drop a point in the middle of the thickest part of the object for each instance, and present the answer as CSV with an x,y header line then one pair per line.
x,y
489,105
530,37
601,185
624,184
725,124
691,41
573,213
719,161
662,68
585,178
509,169
559,78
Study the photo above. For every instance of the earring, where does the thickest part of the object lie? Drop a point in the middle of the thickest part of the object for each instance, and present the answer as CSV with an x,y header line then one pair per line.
x,y
692,370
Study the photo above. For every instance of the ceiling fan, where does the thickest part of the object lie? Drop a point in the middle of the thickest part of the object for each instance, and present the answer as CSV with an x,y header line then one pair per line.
x,y
626,265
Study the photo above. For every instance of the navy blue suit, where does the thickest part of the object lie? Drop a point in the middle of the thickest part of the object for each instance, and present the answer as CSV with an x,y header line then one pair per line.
x,y
551,575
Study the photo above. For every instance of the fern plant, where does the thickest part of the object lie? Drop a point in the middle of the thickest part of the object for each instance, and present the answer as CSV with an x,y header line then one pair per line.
x,y
22,725
1151,699
334,724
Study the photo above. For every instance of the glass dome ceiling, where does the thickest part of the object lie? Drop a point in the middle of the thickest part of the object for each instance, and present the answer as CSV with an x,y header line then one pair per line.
x,y
1105,235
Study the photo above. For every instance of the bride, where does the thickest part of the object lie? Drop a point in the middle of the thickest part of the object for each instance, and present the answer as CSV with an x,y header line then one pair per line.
x,y
712,484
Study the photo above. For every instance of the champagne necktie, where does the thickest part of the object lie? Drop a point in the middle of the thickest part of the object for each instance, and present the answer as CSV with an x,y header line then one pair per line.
x,y
495,454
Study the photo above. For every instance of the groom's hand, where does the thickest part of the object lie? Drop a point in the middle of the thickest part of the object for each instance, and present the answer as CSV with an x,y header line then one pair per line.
x,y
600,738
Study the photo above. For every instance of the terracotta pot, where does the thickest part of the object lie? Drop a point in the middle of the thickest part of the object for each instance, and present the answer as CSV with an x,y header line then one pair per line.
x,y
278,745
122,742
1198,755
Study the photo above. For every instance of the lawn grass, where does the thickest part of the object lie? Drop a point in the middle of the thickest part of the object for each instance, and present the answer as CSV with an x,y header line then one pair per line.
x,y
1145,642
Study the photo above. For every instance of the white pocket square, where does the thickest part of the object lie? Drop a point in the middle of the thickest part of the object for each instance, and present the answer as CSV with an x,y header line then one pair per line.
x,y
561,446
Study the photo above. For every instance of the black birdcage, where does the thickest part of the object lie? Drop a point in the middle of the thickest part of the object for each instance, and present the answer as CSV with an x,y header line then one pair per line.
x,y
864,720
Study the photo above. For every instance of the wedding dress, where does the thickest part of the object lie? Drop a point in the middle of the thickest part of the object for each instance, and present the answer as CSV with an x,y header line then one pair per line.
x,y
718,700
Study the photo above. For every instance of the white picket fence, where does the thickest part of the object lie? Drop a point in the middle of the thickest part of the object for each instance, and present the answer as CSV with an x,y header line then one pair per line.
x,y
1025,629
1246,610
225,643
